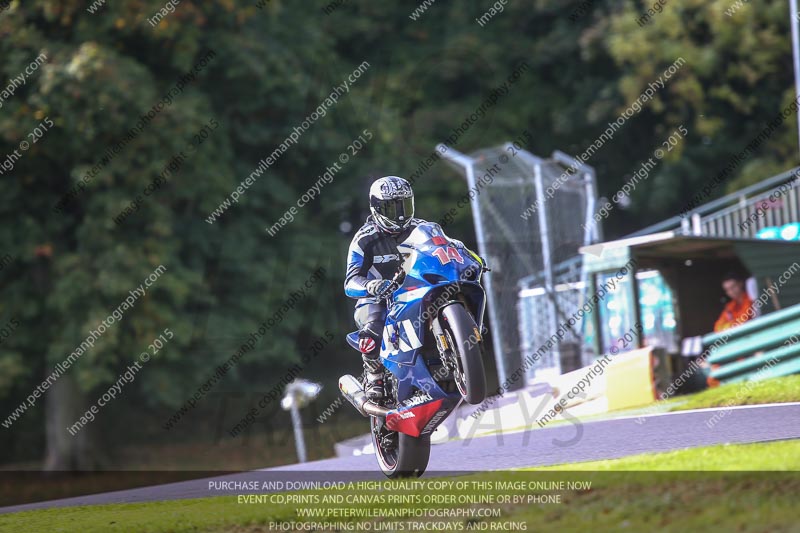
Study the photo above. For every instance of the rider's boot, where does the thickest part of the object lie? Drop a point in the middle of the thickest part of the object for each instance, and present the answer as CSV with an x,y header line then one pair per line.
x,y
373,377
369,345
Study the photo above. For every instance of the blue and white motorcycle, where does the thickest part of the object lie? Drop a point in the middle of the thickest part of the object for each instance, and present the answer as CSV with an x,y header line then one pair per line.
x,y
431,350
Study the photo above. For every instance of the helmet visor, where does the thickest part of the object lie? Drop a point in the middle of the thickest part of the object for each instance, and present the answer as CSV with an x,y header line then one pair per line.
x,y
397,210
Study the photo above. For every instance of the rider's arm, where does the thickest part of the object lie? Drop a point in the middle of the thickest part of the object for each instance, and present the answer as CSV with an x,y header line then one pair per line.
x,y
355,281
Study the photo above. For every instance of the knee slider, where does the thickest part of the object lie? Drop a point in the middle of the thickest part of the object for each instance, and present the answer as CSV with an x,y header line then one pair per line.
x,y
369,337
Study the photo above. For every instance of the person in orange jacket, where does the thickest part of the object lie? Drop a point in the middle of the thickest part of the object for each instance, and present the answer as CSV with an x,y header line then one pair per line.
x,y
736,311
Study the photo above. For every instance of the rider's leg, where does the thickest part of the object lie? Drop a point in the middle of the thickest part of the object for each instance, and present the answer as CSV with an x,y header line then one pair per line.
x,y
370,318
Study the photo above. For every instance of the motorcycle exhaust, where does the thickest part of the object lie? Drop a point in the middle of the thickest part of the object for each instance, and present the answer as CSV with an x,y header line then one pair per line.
x,y
354,392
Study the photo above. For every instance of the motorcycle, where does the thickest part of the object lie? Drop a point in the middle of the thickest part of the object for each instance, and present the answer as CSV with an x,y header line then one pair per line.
x,y
431,350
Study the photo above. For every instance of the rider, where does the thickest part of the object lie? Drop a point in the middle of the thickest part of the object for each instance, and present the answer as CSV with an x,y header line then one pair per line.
x,y
372,261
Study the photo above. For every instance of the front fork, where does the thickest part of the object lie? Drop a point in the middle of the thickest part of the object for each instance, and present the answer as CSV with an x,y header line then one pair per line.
x,y
447,352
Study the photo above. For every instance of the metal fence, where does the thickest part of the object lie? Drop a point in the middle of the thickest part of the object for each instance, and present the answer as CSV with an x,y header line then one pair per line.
x,y
529,215
537,308
772,202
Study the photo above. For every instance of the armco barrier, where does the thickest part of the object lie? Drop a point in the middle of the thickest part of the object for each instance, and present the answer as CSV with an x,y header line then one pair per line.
x,y
759,349
757,324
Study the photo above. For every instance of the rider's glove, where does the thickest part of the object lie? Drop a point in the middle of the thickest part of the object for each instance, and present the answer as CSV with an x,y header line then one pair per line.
x,y
381,288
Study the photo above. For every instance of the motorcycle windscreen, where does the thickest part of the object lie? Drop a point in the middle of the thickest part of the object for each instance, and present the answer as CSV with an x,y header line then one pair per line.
x,y
430,257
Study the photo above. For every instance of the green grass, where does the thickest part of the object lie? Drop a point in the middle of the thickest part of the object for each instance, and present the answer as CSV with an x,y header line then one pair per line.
x,y
623,497
777,390
772,456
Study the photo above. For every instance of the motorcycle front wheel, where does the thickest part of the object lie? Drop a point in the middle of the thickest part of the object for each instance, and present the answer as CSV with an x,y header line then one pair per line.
x,y
461,330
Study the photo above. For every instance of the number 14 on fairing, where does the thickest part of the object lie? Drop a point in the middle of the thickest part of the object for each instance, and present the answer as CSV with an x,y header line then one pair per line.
x,y
447,254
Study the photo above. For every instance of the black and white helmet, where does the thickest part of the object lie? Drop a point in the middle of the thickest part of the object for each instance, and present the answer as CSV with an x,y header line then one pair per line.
x,y
391,202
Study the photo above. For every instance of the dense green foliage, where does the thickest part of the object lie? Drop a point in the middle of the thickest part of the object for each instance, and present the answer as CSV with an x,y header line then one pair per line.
x,y
274,62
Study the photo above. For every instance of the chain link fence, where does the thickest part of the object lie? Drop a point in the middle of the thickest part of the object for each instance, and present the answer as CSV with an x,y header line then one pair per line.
x,y
530,218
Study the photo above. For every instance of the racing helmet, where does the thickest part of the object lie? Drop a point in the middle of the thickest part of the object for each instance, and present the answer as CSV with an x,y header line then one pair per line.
x,y
391,202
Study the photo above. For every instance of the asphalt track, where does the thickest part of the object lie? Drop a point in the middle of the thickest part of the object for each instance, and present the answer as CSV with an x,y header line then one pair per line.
x,y
603,439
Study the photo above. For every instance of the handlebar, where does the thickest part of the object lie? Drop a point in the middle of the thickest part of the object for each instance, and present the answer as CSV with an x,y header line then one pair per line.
x,y
399,276
397,279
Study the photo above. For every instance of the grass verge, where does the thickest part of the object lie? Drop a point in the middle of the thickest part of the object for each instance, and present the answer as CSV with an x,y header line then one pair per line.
x,y
777,390
628,494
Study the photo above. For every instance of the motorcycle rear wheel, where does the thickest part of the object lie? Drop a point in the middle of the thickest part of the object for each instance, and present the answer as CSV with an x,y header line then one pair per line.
x,y
406,456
